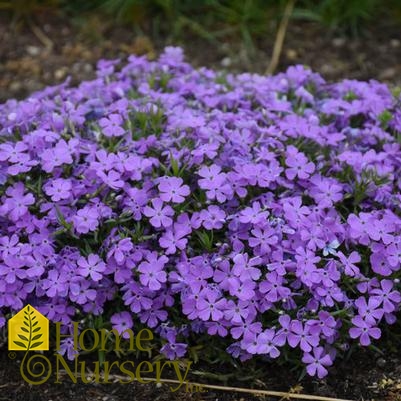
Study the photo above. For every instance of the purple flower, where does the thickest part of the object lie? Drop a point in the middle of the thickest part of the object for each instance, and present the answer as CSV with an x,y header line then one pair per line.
x,y
172,189
236,312
358,227
349,263
386,296
174,238
159,216
136,297
16,204
298,164
112,179
54,285
112,125
300,334
136,200
245,268
121,250
9,245
57,312
273,287
246,329
67,346
152,273
238,184
92,266
317,362
210,305
86,219
254,214
12,152
369,309
267,344
12,269
55,157
381,230
326,324
121,322
213,218
250,207
58,189
81,293
153,317
325,191
380,263
363,330
215,183
262,239
173,350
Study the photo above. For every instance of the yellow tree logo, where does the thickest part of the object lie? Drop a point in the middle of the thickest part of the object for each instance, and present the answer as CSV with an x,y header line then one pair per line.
x,y
28,330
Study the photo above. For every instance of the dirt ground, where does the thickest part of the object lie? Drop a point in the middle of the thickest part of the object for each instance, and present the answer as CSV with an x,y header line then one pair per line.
x,y
29,61
365,377
32,57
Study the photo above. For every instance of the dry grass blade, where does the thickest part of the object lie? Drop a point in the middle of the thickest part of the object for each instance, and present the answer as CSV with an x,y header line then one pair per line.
x,y
278,43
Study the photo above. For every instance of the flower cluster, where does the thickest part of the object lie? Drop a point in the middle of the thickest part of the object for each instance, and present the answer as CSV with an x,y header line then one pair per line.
x,y
262,210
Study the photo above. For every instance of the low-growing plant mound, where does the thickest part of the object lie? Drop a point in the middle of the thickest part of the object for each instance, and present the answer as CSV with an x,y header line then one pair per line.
x,y
256,215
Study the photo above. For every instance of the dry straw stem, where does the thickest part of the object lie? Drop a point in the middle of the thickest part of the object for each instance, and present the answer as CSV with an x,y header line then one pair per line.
x,y
283,395
43,38
278,43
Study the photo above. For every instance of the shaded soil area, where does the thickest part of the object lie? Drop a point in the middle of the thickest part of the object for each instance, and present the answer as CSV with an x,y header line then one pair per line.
x,y
365,377
33,56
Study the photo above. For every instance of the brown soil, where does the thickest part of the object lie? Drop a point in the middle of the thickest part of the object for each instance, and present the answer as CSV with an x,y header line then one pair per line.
x,y
27,64
366,377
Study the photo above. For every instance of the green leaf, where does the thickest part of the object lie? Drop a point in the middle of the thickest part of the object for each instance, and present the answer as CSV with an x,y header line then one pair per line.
x,y
174,165
88,248
61,218
22,337
36,344
24,330
34,324
384,118
20,344
35,330
39,188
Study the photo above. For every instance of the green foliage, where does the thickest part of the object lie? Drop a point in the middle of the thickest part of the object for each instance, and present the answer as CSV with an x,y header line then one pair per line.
x,y
205,240
243,19
344,15
216,21
369,179
25,9
385,118
145,123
